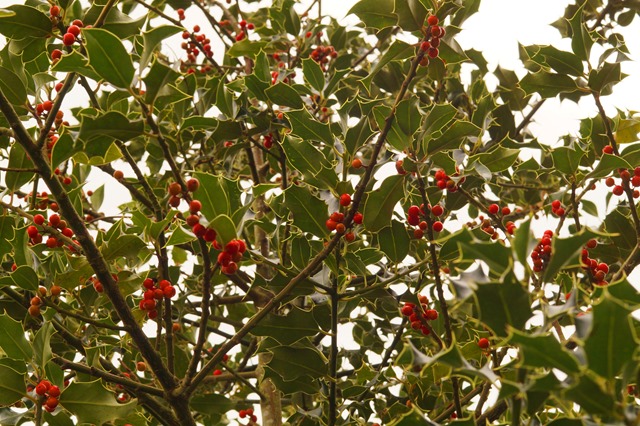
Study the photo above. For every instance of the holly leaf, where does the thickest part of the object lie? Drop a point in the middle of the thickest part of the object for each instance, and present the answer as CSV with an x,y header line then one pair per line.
x,y
380,203
12,340
93,403
108,57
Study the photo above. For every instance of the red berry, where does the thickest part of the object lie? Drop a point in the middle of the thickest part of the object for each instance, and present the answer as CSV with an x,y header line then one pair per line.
x,y
433,52
418,233
592,243
195,206
437,210
438,226
148,283
618,190
431,314
175,188
357,218
330,224
399,168
345,200
413,211
217,372
38,219
608,149
432,20
73,29
54,391
493,209
506,211
68,39
193,184
610,181
169,291
483,343
425,45
407,310
141,366
32,231
55,55
54,11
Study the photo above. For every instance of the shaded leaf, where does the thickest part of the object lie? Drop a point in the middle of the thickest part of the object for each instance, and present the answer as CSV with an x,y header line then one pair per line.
x,y
108,57
309,212
12,340
93,403
380,203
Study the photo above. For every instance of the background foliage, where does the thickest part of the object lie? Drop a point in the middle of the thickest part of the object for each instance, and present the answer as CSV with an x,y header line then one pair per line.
x,y
433,294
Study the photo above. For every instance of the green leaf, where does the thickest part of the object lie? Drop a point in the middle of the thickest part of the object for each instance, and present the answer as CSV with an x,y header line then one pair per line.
x,y
93,403
108,57
452,137
309,212
607,164
292,362
544,351
398,51
627,131
438,116
64,149
411,14
612,341
25,277
547,85
284,95
289,328
581,41
498,160
358,135
563,62
152,40
246,47
524,242
13,88
7,233
12,340
128,246
211,404
25,21
502,306
396,137
313,74
303,156
75,62
12,386
567,159
307,127
591,396
111,124
606,76
225,228
159,77
375,13
180,235
394,241
380,203
212,193
18,160
42,344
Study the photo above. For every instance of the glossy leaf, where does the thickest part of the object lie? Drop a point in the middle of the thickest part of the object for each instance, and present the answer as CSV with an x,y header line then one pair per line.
x,y
375,13
93,403
12,386
24,21
548,85
394,241
313,74
284,95
611,343
152,40
307,127
112,124
309,212
544,351
108,57
381,202
12,340
502,306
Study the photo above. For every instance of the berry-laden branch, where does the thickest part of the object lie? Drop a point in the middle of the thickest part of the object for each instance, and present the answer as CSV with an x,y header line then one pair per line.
x,y
320,257
88,245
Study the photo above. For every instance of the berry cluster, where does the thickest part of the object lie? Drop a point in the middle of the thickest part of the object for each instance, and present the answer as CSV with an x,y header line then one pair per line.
x,y
626,178
155,291
73,32
181,16
42,201
542,252
444,181
193,50
34,306
244,29
494,209
430,47
414,218
322,54
335,221
557,208
45,389
599,270
35,234
175,191
229,257
248,413
419,315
